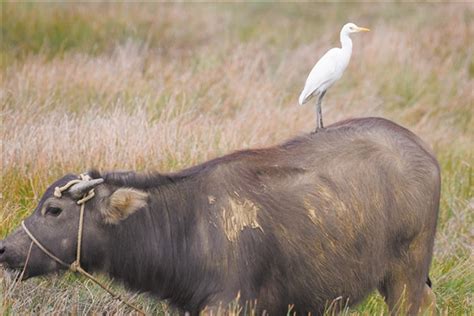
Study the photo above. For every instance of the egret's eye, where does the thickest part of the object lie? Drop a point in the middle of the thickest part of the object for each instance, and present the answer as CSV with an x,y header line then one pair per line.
x,y
53,211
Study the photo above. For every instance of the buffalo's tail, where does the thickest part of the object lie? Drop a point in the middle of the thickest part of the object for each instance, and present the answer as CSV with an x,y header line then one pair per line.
x,y
428,281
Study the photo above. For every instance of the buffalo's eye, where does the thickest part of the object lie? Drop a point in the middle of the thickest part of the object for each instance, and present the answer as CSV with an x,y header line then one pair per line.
x,y
53,211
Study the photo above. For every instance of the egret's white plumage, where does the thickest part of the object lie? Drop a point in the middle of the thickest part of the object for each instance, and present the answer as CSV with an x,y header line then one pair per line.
x,y
329,69
323,75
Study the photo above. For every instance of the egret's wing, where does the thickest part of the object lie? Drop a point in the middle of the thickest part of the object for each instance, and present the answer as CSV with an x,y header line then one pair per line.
x,y
322,72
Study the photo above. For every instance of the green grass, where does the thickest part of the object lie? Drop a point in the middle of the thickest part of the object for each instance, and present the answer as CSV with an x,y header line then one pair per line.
x,y
163,87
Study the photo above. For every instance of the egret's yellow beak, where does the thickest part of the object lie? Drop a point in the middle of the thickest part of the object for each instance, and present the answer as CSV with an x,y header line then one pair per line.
x,y
363,29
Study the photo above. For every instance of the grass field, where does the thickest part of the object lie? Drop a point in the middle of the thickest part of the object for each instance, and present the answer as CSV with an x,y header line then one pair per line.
x,y
121,86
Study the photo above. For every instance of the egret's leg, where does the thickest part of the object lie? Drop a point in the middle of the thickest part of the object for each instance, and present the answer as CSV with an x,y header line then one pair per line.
x,y
318,106
319,114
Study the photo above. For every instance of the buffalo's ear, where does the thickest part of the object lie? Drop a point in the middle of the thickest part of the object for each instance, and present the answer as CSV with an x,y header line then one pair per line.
x,y
122,203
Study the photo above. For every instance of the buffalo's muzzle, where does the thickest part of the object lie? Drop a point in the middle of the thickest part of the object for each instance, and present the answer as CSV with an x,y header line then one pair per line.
x,y
5,258
2,250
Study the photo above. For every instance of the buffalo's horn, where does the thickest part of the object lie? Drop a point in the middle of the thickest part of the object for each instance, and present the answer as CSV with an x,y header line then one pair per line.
x,y
81,188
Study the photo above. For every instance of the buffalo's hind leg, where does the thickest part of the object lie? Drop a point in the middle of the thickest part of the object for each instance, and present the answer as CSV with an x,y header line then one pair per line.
x,y
428,302
405,286
405,298
401,294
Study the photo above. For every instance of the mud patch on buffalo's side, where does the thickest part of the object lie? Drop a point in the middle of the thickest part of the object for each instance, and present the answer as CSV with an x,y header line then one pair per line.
x,y
311,212
239,214
211,199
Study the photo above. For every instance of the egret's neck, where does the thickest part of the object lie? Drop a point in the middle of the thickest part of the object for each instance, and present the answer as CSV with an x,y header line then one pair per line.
x,y
346,42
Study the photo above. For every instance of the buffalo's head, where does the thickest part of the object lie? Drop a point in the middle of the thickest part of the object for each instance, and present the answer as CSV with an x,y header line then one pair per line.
x,y
54,223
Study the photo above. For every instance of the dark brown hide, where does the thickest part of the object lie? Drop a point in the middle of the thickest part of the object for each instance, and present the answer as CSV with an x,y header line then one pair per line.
x,y
321,219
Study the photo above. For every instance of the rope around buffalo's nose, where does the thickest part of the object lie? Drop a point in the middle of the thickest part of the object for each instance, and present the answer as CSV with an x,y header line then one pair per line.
x,y
75,266
26,262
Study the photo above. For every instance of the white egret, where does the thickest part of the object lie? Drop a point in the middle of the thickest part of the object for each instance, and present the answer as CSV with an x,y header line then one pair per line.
x,y
328,70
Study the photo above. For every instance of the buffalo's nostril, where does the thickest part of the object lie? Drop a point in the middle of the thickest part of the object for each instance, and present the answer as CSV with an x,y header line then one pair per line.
x,y
2,247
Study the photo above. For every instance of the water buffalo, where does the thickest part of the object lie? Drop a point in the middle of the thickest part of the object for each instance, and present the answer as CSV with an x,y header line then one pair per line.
x,y
321,218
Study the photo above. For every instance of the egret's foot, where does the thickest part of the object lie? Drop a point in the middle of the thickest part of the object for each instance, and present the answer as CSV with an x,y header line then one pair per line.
x,y
318,129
